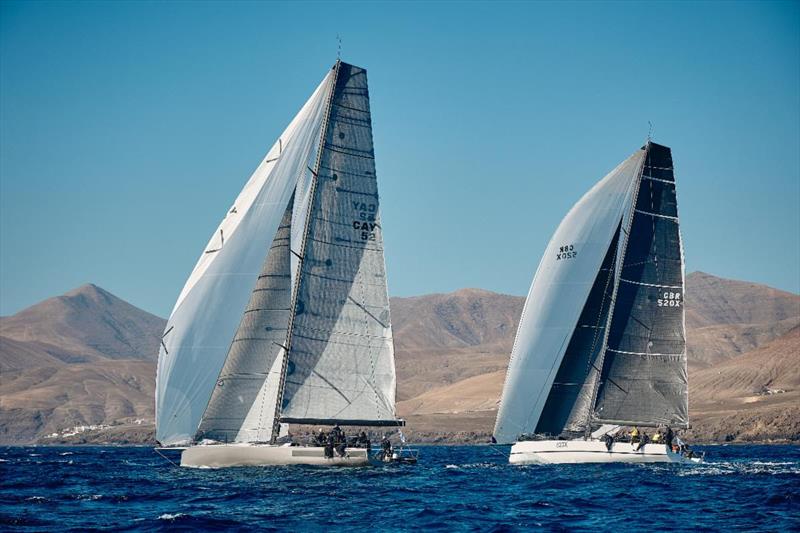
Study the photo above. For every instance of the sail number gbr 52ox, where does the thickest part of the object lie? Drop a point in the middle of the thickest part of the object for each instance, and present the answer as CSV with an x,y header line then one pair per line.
x,y
285,317
601,343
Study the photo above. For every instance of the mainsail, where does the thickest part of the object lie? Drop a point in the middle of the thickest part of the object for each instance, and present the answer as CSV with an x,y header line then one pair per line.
x,y
341,359
560,377
644,379
223,359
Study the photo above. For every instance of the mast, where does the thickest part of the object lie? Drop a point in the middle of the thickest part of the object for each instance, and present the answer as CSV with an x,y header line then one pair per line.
x,y
621,251
276,424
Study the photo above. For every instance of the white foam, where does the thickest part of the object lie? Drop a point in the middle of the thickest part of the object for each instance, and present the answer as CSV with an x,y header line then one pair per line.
x,y
168,516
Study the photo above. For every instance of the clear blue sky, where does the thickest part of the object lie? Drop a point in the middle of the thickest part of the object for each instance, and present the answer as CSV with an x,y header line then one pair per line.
x,y
128,128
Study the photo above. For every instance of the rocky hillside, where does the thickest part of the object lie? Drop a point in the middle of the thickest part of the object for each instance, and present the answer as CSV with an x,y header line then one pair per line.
x,y
87,359
85,324
742,341
442,339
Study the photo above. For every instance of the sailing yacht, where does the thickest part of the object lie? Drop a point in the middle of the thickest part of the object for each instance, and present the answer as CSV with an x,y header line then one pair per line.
x,y
601,344
285,317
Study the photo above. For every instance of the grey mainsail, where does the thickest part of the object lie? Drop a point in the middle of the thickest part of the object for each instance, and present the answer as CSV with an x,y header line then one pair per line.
x,y
644,379
340,366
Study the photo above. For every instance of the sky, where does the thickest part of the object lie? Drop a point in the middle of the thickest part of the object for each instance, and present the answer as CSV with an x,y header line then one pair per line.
x,y
128,128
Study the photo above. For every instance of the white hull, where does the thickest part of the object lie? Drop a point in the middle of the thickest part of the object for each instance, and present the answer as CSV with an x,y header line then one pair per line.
x,y
225,455
591,451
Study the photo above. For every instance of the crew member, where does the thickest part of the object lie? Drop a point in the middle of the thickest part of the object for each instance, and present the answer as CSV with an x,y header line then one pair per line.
x,y
338,434
341,448
642,441
386,448
634,435
329,444
669,436
656,437
609,440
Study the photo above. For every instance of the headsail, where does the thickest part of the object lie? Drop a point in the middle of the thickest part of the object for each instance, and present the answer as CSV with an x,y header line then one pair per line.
x,y
563,282
569,403
340,365
209,310
242,405
644,379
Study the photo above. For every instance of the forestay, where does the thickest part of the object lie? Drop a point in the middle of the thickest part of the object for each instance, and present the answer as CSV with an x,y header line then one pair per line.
x,y
341,360
209,310
565,277
644,379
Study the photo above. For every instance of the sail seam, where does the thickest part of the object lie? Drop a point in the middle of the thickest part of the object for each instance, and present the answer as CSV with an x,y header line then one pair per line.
x,y
350,108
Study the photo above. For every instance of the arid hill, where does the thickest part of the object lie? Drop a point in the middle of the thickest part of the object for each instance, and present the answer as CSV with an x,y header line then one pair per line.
x,y
87,358
441,339
733,328
713,301
85,324
726,318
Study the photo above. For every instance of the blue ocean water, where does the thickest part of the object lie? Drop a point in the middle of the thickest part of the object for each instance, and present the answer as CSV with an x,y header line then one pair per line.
x,y
740,488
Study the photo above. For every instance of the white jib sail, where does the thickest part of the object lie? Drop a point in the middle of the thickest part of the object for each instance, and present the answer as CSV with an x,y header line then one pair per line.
x,y
209,309
557,295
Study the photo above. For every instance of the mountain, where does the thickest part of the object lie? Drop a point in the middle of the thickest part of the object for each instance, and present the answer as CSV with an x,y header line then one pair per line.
x,y
712,301
739,332
84,358
85,324
87,359
465,318
441,339
726,318
754,396
43,400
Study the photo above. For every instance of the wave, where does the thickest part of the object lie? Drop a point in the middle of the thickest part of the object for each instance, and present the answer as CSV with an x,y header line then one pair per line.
x,y
171,517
